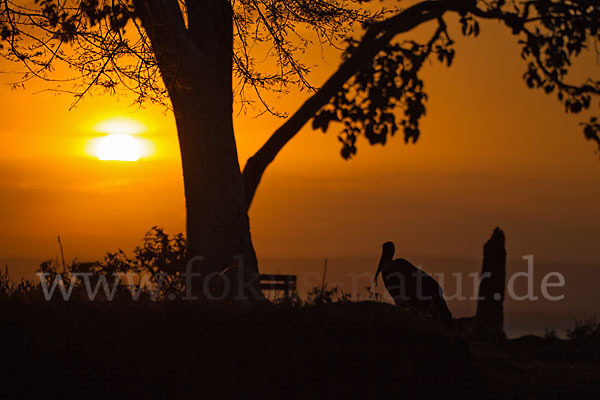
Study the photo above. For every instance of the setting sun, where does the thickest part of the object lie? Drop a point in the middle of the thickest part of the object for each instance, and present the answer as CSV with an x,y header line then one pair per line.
x,y
120,140
118,148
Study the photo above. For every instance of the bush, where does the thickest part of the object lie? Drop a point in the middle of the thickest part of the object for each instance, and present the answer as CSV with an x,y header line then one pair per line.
x,y
586,333
153,272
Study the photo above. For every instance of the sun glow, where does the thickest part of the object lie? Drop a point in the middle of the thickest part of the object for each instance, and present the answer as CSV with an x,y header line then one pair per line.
x,y
120,126
118,148
121,142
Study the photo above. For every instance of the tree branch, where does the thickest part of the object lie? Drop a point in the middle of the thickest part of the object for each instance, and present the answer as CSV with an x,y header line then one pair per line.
x,y
375,39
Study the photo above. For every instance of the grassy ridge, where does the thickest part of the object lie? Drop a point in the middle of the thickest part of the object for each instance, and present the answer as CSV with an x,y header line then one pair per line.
x,y
356,350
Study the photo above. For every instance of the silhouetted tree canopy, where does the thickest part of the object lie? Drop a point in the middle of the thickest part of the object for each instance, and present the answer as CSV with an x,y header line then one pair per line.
x,y
551,33
105,43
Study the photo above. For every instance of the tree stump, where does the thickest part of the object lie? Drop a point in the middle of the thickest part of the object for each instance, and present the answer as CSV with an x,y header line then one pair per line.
x,y
489,318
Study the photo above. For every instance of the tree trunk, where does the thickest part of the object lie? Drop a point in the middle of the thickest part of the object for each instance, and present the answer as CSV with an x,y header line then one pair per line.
x,y
217,222
196,64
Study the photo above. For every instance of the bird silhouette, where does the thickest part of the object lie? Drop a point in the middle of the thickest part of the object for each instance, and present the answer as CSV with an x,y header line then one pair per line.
x,y
410,286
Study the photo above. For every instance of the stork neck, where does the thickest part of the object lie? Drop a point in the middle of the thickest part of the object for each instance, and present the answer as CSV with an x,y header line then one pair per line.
x,y
384,260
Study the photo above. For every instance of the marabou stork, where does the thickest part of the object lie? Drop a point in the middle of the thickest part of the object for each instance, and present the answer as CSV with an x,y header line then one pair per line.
x,y
411,287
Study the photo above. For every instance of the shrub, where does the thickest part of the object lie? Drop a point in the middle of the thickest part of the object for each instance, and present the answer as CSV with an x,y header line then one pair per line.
x,y
586,333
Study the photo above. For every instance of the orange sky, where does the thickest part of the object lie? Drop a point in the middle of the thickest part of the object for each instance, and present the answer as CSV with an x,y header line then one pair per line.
x,y
492,152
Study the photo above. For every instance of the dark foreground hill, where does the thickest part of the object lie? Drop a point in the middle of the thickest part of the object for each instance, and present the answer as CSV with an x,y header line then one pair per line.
x,y
342,350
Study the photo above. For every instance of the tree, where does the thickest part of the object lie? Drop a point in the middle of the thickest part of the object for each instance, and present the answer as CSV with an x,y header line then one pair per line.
x,y
186,53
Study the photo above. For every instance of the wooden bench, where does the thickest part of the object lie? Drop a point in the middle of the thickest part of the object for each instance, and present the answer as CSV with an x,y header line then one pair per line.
x,y
284,283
